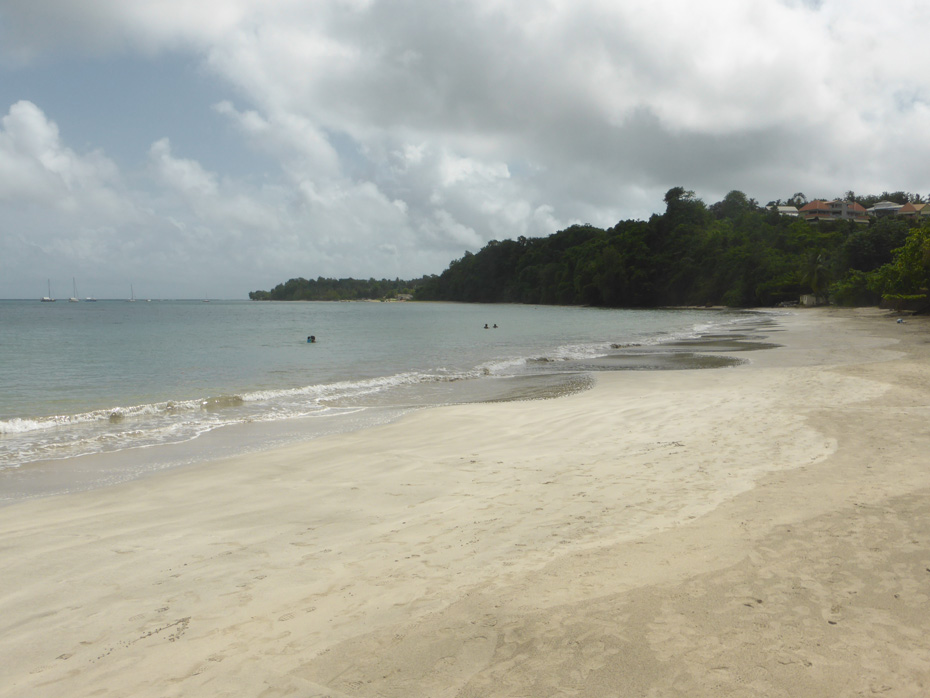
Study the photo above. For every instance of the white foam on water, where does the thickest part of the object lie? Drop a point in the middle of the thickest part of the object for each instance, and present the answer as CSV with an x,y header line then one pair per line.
x,y
27,439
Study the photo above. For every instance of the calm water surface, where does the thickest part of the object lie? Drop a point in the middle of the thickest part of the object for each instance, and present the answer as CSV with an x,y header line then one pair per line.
x,y
98,378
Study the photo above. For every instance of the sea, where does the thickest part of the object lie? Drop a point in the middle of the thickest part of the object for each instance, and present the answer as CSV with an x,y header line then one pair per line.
x,y
96,393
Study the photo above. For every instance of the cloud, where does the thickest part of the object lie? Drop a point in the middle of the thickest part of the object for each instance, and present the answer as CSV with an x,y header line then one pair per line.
x,y
185,176
395,135
568,87
36,169
290,138
33,29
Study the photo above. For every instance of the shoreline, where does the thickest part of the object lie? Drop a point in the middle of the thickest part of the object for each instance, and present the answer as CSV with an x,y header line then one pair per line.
x,y
94,471
755,530
121,460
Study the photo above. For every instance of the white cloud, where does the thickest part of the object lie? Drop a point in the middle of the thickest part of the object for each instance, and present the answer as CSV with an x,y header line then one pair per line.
x,y
291,138
186,176
456,170
219,210
450,228
37,169
560,83
398,134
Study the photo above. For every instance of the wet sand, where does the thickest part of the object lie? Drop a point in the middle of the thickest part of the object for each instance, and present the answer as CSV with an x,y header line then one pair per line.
x,y
756,530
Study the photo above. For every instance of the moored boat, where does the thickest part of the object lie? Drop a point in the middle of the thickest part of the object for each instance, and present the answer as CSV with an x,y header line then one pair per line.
x,y
48,298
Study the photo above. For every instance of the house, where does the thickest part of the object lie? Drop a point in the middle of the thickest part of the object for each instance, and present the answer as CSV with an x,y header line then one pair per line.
x,y
786,210
816,210
809,300
884,208
910,210
836,210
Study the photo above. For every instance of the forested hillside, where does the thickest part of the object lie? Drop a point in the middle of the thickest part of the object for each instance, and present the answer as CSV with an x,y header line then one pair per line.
x,y
321,289
733,253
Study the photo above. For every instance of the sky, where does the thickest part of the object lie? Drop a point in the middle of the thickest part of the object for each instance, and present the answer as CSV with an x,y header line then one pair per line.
x,y
211,148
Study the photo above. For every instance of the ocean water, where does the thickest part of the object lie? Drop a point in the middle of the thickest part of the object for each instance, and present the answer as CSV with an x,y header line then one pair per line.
x,y
85,379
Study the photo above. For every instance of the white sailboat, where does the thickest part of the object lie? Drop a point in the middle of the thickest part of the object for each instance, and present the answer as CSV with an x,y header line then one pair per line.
x,y
74,298
48,298
132,294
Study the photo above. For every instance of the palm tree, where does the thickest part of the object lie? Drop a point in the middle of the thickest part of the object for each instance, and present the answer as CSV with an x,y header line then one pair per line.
x,y
816,272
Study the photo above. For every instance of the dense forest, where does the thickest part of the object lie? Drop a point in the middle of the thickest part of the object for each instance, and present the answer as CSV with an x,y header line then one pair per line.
x,y
336,290
734,252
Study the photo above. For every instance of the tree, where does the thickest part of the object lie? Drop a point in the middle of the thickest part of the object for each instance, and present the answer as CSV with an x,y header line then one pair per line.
x,y
682,208
909,273
870,247
677,194
732,252
899,197
734,205
816,272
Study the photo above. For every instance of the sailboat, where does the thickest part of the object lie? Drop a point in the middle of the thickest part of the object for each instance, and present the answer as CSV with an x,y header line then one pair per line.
x,y
48,298
74,298
132,294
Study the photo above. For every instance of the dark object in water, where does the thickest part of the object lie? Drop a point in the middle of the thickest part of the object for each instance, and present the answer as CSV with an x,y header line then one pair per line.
x,y
311,339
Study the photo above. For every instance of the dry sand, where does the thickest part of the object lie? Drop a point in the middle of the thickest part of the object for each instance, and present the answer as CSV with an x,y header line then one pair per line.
x,y
761,530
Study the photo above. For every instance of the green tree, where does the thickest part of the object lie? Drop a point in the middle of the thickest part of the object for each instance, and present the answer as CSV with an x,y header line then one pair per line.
x,y
734,205
908,274
816,272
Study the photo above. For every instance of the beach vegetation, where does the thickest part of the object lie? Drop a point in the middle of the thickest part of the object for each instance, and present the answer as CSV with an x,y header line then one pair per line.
x,y
854,290
324,289
905,281
734,252
816,274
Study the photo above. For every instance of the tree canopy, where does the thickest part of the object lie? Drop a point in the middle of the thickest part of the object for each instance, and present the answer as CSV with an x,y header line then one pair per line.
x,y
322,289
733,252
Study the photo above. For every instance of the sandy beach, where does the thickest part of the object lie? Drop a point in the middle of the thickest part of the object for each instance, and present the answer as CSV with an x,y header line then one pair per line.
x,y
759,530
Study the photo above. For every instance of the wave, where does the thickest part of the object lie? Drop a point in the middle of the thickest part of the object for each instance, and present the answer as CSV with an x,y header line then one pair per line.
x,y
112,415
299,401
302,400
32,438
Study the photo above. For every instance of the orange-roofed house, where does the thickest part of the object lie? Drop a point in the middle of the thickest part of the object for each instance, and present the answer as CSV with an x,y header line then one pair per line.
x,y
836,210
910,210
